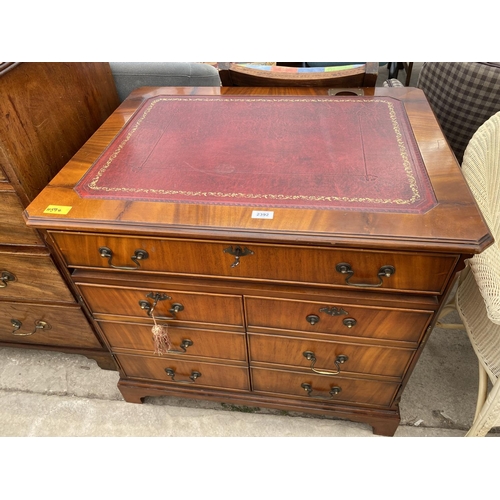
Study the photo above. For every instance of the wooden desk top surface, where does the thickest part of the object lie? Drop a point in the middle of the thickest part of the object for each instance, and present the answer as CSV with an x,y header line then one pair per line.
x,y
446,220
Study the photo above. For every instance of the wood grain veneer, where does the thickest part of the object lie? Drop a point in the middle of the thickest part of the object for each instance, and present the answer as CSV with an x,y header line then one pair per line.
x,y
268,298
48,111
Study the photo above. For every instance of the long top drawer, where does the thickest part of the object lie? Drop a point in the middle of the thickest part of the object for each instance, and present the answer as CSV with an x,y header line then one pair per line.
x,y
323,266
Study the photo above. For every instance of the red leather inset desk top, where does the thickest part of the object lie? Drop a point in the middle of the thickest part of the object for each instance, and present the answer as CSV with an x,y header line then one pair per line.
x,y
348,153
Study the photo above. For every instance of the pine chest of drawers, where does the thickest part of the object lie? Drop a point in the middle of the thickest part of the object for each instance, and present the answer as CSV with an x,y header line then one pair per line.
x,y
296,247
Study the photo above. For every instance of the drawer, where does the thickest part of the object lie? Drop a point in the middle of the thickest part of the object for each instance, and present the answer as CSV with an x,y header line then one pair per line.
x,y
285,263
45,325
185,373
318,388
13,229
174,305
335,318
201,343
331,357
32,277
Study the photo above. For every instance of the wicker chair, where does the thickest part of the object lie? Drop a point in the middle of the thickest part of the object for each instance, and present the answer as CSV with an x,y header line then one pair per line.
x,y
463,95
477,298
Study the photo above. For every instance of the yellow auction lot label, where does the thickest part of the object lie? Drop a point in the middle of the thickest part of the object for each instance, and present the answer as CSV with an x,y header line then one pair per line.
x,y
57,209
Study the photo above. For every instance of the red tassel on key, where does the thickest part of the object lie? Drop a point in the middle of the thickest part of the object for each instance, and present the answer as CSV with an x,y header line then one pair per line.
x,y
161,338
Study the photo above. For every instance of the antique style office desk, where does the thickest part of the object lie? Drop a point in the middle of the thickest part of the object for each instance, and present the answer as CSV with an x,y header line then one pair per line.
x,y
294,247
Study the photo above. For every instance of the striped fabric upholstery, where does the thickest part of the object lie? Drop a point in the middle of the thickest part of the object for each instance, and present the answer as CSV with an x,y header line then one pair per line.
x,y
463,95
393,82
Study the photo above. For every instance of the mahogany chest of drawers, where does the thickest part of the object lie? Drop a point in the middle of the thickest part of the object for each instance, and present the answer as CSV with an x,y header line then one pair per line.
x,y
48,111
317,300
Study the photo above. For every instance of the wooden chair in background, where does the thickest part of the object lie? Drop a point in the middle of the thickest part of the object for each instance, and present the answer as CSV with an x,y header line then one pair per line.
x,y
252,75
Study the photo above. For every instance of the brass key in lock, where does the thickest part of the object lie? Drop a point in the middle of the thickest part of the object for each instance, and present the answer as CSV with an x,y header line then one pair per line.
x,y
238,252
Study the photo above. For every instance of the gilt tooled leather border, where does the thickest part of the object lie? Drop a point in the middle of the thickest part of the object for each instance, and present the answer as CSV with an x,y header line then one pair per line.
x,y
94,183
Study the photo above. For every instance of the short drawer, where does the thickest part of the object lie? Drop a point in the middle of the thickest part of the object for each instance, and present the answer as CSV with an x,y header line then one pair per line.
x,y
331,358
334,318
284,263
13,229
185,373
45,325
171,305
324,389
186,341
32,277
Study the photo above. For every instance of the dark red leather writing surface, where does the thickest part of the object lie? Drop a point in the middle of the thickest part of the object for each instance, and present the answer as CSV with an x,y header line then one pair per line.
x,y
349,153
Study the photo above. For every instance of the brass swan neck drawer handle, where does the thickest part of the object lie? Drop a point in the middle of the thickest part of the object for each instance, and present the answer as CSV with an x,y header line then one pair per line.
x,y
349,322
192,378
383,272
157,297
310,356
183,347
5,277
332,393
238,252
107,253
39,325
312,319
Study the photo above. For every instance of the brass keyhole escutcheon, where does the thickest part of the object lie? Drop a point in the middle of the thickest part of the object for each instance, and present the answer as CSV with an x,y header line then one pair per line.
x,y
334,311
238,252
158,297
